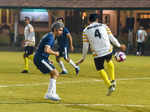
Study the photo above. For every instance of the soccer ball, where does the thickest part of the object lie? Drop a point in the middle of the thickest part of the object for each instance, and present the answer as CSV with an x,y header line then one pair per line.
x,y
120,56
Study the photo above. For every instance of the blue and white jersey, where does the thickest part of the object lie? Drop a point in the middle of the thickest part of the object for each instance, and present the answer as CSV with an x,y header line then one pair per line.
x,y
63,41
47,39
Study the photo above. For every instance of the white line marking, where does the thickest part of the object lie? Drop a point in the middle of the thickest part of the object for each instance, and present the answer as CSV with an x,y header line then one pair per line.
x,y
93,105
68,82
106,105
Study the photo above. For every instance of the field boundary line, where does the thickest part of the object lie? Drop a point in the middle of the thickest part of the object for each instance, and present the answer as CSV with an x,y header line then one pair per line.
x,y
68,82
107,105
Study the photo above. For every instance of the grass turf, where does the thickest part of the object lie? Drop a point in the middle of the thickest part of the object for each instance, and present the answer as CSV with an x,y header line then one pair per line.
x,y
83,93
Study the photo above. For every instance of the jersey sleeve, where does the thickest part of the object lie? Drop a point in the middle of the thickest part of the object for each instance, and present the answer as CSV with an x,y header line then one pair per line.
x,y
145,33
31,29
49,41
84,37
85,44
108,30
66,31
111,37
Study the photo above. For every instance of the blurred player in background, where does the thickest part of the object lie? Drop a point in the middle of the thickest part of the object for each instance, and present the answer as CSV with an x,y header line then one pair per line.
x,y
28,44
140,38
41,59
64,41
100,37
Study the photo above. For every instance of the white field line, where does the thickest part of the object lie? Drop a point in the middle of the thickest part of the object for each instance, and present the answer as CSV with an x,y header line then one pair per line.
x,y
69,82
107,105
102,105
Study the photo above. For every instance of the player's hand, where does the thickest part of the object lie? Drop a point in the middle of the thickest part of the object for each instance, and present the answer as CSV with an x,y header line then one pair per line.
x,y
123,47
71,48
56,53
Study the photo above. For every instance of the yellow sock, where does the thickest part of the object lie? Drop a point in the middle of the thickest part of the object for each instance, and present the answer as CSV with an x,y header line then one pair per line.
x,y
31,57
26,61
105,77
111,70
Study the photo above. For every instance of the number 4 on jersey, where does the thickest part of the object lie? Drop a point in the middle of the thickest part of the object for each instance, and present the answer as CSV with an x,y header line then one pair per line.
x,y
97,33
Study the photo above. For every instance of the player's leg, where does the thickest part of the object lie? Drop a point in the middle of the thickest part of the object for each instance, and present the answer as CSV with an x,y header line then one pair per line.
x,y
61,64
111,69
142,48
69,60
31,51
51,93
26,60
99,63
46,67
138,49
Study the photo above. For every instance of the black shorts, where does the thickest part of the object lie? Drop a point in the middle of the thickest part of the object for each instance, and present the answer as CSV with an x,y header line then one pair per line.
x,y
63,52
28,50
99,62
44,65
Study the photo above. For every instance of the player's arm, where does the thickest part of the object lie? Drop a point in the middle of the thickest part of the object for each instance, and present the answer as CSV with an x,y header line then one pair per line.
x,y
84,49
145,33
70,40
48,50
31,30
115,41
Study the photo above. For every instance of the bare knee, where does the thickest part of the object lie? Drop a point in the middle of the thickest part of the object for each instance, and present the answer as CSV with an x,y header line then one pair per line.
x,y
54,74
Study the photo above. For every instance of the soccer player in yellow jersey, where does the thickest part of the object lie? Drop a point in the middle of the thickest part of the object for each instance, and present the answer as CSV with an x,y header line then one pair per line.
x,y
99,37
28,44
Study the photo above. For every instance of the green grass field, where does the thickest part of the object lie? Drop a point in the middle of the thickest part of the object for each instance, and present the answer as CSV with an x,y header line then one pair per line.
x,y
83,93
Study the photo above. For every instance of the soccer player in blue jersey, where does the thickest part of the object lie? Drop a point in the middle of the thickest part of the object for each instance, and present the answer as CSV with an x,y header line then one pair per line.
x,y
41,59
64,41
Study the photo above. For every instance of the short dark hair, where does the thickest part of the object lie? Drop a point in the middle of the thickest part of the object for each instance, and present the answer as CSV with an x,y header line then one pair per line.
x,y
93,17
60,18
27,18
56,26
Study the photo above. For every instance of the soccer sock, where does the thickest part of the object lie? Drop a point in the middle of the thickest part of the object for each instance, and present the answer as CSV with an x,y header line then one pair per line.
x,y
52,86
111,70
26,61
62,66
105,77
72,63
31,57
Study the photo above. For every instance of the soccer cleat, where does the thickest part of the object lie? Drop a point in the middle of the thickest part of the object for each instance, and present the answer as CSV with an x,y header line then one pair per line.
x,y
110,90
77,70
53,97
64,72
113,82
25,71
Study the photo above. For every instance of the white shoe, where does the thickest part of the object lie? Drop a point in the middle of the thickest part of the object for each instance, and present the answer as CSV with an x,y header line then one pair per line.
x,y
138,53
110,90
53,97
77,69
113,83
